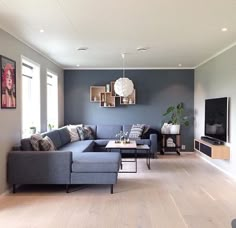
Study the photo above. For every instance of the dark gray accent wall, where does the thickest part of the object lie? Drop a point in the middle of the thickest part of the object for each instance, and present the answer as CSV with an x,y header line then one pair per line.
x,y
155,91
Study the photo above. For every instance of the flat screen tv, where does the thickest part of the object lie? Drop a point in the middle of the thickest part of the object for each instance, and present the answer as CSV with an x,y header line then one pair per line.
x,y
216,118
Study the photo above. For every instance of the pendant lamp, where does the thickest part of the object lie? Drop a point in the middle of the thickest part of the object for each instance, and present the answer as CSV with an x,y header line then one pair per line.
x,y
123,86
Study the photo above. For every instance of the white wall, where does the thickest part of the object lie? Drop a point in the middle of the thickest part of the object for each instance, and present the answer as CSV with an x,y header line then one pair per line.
x,y
217,78
10,119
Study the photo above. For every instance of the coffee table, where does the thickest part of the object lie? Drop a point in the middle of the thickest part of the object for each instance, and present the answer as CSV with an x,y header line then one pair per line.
x,y
112,144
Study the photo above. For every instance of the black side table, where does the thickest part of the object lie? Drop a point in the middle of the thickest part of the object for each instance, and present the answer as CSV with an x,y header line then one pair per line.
x,y
176,140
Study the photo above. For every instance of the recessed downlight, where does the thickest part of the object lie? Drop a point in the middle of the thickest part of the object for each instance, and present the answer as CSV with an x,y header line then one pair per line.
x,y
82,49
180,65
142,48
41,30
224,29
78,65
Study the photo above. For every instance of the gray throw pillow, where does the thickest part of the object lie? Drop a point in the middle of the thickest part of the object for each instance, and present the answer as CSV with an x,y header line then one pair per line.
x,y
34,140
46,144
136,131
85,133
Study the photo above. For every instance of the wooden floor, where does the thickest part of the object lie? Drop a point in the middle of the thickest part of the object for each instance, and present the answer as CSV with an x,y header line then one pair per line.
x,y
178,192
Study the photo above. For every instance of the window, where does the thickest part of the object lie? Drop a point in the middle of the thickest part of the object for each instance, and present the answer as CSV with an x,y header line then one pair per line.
x,y
30,98
52,100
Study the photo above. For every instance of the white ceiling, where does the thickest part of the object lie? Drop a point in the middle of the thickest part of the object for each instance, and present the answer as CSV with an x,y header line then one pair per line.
x,y
177,31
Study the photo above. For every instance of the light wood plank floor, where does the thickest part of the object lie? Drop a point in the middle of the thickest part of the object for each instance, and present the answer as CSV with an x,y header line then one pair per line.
x,y
178,192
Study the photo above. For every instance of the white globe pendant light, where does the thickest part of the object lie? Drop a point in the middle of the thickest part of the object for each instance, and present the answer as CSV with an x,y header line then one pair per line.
x,y
123,86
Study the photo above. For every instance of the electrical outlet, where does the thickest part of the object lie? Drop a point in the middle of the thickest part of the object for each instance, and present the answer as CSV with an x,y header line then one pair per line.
x,y
183,147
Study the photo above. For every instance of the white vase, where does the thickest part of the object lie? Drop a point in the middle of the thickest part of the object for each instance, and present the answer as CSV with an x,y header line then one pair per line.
x,y
174,129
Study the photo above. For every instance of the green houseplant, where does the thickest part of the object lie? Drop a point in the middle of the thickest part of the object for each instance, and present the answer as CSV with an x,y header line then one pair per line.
x,y
176,117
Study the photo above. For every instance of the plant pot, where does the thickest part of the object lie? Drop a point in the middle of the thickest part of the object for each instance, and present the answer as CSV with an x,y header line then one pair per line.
x,y
174,129
32,130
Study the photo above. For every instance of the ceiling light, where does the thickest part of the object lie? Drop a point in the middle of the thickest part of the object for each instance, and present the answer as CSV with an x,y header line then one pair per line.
x,y
41,30
180,65
82,49
123,86
77,65
142,48
224,29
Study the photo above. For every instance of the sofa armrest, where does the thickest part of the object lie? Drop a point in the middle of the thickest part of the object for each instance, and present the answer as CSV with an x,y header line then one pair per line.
x,y
153,139
39,167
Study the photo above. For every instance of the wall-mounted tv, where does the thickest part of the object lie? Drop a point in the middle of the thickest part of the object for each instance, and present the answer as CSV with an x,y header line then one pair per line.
x,y
216,118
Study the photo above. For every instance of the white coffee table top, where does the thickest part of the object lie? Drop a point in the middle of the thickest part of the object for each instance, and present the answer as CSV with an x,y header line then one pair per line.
x,y
113,145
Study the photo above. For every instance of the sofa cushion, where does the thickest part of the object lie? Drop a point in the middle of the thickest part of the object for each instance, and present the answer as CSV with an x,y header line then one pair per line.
x,y
143,141
55,137
101,142
78,147
26,144
108,131
64,135
94,162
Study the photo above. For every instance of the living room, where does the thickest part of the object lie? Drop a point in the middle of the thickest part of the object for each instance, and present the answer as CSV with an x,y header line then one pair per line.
x,y
174,52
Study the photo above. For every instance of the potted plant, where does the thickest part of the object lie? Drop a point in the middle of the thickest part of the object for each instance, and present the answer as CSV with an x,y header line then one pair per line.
x,y
177,117
32,130
50,127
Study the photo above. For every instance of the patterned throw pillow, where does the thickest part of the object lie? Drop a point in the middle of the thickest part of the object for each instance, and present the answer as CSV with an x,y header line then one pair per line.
x,y
46,144
136,131
85,133
34,140
74,136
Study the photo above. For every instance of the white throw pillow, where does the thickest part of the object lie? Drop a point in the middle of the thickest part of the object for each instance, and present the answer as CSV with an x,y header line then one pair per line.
x,y
74,136
136,131
46,144
34,140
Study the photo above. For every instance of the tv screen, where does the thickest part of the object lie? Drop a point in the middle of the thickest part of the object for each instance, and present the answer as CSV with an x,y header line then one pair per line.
x,y
216,118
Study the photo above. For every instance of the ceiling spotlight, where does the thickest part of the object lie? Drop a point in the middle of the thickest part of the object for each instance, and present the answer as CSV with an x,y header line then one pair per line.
x,y
41,30
224,29
180,65
142,48
77,65
82,49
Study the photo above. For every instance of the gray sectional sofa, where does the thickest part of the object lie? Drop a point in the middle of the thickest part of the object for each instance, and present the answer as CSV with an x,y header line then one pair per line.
x,y
73,162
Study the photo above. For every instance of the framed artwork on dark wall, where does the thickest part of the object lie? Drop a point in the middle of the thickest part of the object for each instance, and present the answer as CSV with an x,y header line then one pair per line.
x,y
8,83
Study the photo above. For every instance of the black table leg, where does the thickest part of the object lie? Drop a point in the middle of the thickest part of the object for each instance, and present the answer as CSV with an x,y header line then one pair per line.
x,y
111,188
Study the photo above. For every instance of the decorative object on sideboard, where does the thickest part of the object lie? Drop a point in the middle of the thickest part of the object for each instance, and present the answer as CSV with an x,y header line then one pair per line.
x,y
123,86
176,117
8,83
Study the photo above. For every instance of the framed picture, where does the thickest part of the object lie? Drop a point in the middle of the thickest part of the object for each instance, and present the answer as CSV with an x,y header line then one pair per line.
x,y
8,82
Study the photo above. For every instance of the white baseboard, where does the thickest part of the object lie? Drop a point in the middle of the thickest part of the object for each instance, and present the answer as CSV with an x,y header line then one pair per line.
x,y
5,193
202,156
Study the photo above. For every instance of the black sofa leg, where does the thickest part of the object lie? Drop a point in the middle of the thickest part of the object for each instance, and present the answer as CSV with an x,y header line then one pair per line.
x,y
111,188
67,188
13,188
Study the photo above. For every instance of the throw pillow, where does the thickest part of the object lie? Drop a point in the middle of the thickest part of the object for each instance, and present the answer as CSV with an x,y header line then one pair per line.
x,y
46,144
34,140
136,131
74,136
85,133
